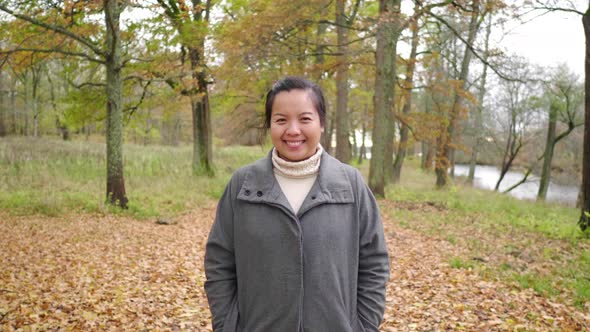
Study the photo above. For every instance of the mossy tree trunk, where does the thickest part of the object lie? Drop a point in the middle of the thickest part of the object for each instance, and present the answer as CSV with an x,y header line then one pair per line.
x,y
385,78
192,25
548,155
115,180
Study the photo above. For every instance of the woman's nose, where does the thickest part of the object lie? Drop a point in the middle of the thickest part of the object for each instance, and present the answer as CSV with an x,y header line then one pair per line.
x,y
293,128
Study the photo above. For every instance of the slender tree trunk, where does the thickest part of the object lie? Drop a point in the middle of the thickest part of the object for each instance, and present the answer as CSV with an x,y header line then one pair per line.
x,y
354,148
36,71
449,140
584,221
478,128
363,149
385,65
330,123
13,106
427,147
115,180
548,155
3,108
319,63
202,147
61,127
27,104
343,152
408,84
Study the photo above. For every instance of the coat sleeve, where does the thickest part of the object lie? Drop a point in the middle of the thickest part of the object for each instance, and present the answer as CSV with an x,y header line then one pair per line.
x,y
373,272
220,266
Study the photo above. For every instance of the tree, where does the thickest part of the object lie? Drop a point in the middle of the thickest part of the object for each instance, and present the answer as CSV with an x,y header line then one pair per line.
x,y
517,105
388,31
110,56
478,121
191,22
565,97
408,84
448,140
584,220
343,152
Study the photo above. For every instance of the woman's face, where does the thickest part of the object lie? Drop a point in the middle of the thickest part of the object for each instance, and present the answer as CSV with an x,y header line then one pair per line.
x,y
295,127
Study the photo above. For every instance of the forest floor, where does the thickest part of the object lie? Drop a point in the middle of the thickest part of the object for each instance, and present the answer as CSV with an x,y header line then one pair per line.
x,y
95,272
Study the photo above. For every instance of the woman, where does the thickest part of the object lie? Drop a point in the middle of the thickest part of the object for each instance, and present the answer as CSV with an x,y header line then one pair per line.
x,y
297,243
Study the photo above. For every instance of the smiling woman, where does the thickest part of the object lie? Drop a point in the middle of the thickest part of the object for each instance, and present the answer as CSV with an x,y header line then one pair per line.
x,y
297,243
295,126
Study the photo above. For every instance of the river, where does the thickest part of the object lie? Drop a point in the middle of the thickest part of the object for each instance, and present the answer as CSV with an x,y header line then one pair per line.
x,y
487,176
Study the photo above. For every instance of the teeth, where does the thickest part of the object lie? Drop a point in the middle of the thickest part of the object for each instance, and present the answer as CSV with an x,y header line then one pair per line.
x,y
294,143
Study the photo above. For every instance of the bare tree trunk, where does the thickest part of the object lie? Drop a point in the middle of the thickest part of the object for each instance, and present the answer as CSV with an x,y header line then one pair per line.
x,y
36,71
319,62
449,139
342,129
115,180
330,123
478,128
427,147
408,84
354,148
363,148
27,104
3,108
13,106
385,65
548,155
584,221
61,127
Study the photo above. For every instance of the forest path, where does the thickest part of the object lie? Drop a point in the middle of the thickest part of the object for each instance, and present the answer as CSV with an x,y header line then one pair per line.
x,y
105,272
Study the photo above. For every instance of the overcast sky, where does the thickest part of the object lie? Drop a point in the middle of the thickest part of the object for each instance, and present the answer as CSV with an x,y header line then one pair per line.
x,y
550,39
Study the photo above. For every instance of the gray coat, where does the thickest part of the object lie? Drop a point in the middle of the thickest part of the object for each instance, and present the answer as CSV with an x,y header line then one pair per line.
x,y
322,269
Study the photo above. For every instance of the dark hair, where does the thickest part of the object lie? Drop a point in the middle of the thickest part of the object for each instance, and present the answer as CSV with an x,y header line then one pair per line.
x,y
295,83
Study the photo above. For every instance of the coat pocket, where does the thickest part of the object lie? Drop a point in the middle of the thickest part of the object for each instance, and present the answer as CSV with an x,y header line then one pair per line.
x,y
356,325
230,324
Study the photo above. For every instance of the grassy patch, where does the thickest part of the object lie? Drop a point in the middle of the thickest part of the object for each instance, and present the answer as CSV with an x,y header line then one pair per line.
x,y
52,177
541,285
530,244
460,263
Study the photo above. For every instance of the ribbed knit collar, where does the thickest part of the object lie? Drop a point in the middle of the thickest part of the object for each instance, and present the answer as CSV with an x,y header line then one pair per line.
x,y
297,169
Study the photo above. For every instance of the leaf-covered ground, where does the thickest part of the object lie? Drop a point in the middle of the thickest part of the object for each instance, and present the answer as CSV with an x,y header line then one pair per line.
x,y
104,272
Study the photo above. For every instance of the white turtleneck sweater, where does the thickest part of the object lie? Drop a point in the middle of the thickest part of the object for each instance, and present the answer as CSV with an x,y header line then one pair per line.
x,y
296,178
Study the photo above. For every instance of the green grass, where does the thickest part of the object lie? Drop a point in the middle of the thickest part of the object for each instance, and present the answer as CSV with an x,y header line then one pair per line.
x,y
460,263
51,177
528,244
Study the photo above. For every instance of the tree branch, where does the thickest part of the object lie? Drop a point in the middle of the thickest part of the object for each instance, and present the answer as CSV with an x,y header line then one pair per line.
x,y
53,50
132,109
55,28
473,50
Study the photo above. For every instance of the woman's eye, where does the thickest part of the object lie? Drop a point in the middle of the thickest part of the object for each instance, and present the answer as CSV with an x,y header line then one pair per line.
x,y
280,120
306,119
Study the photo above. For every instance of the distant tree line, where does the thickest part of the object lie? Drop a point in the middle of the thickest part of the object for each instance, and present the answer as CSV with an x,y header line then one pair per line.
x,y
424,81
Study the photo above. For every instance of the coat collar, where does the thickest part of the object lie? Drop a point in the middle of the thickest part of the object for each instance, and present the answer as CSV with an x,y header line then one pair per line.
x,y
332,185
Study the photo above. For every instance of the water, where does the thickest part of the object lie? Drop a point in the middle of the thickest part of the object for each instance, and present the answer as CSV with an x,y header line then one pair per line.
x,y
487,176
